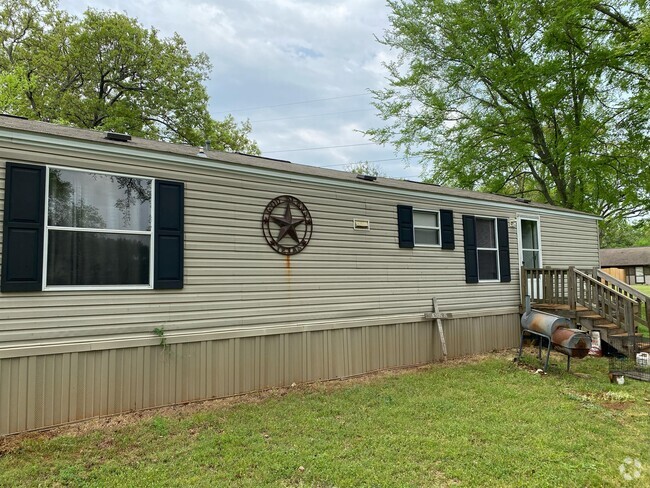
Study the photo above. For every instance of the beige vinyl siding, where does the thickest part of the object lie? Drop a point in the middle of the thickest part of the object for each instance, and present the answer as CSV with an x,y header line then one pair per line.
x,y
249,318
234,281
569,242
42,391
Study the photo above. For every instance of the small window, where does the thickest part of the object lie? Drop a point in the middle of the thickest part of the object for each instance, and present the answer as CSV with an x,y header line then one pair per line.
x,y
639,276
426,228
98,229
487,249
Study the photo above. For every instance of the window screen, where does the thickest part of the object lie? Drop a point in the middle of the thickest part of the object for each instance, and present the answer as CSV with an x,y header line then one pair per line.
x,y
98,229
426,228
487,250
639,276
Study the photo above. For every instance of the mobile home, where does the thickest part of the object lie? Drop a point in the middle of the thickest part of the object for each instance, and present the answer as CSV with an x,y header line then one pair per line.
x,y
138,274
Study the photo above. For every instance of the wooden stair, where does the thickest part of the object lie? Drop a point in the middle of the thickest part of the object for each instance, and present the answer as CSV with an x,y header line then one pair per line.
x,y
588,320
558,307
593,301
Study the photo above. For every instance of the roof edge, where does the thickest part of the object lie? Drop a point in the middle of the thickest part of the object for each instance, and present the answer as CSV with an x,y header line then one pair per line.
x,y
44,139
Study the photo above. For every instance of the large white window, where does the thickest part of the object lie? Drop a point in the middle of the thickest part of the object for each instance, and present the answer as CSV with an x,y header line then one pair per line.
x,y
98,231
426,228
487,249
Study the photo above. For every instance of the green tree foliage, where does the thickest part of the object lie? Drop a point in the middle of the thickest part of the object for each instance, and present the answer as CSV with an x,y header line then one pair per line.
x,y
365,168
546,99
626,234
106,71
13,89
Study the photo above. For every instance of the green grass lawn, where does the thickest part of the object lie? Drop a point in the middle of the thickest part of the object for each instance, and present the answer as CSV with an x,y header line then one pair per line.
x,y
486,422
643,289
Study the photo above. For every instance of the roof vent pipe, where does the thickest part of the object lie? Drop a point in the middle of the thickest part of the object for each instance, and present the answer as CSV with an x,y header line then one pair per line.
x,y
207,145
116,136
367,177
201,153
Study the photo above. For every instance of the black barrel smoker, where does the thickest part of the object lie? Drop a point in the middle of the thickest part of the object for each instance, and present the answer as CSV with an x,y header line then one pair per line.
x,y
557,331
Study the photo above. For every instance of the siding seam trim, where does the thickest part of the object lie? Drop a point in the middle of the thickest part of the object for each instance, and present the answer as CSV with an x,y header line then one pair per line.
x,y
181,337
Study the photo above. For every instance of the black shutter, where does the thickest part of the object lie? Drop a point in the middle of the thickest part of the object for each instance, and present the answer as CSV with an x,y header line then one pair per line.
x,y
168,241
469,240
504,250
24,221
447,229
405,226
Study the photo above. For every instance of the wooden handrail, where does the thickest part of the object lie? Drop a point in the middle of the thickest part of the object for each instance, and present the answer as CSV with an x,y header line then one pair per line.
x,y
608,302
640,296
611,290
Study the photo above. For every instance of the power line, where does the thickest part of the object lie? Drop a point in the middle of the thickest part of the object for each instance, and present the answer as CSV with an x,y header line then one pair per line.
x,y
364,161
380,160
318,148
291,103
314,115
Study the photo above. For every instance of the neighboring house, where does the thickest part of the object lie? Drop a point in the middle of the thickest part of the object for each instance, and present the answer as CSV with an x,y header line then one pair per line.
x,y
629,264
139,274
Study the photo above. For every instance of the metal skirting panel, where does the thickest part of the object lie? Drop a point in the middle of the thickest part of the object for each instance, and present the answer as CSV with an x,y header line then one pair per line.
x,y
480,334
43,391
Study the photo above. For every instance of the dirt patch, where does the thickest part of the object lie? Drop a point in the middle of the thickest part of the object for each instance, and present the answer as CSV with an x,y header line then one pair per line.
x,y
618,406
530,361
113,423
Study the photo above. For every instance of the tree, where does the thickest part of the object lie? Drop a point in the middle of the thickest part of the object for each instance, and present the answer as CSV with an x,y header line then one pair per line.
x,y
13,87
106,71
65,211
365,168
545,99
626,234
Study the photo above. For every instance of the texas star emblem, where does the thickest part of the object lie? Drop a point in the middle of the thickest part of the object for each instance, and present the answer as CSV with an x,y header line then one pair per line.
x,y
287,225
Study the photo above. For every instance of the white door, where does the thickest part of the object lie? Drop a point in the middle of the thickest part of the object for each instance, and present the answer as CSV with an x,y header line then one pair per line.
x,y
530,252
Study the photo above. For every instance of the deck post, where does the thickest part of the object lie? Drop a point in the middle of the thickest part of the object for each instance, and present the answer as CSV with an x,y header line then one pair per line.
x,y
572,287
548,286
647,311
631,330
523,283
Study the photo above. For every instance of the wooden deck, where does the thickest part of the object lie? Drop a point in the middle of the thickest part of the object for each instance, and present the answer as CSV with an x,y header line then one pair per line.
x,y
593,301
557,306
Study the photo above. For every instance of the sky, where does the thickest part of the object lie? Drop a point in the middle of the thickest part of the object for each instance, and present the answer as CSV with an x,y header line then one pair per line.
x,y
299,70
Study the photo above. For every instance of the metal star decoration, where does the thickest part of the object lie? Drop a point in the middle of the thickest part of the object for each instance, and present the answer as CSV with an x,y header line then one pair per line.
x,y
298,229
287,224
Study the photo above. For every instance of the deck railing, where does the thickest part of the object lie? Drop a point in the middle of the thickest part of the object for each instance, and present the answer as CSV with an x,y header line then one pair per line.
x,y
545,285
605,301
596,291
642,305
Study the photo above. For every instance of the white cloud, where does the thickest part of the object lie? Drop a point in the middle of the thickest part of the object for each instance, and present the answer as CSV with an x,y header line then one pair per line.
x,y
278,52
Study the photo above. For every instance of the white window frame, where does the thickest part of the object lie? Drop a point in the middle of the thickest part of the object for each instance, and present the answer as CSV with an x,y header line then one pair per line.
x,y
520,241
636,275
496,249
423,211
47,228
